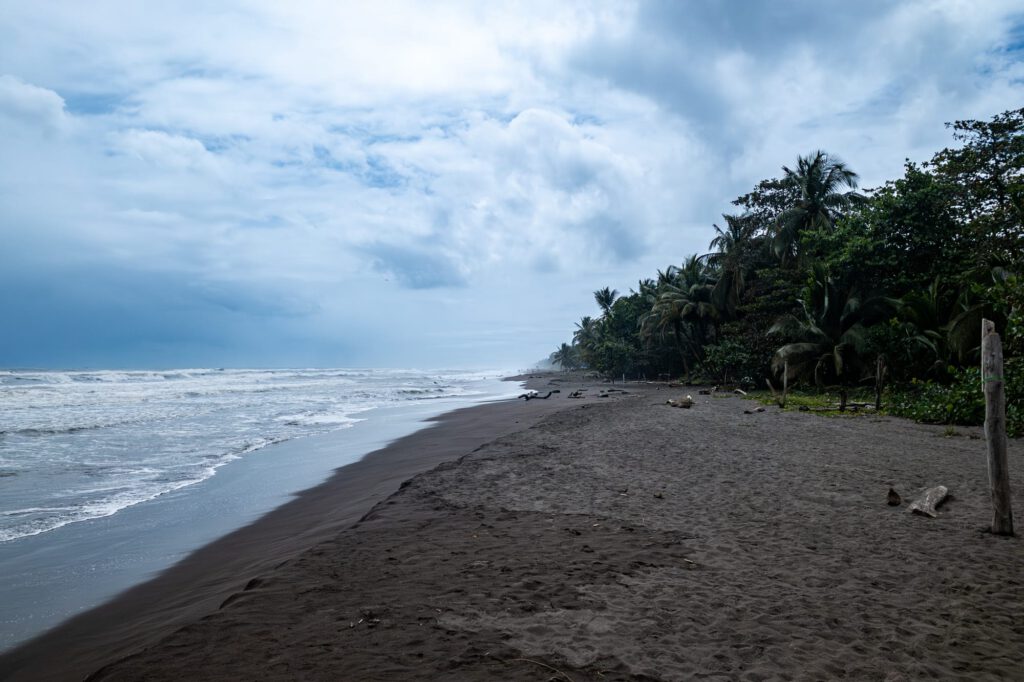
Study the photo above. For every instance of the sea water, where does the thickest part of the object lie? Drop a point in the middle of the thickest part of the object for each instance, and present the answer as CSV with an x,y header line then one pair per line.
x,y
109,477
81,445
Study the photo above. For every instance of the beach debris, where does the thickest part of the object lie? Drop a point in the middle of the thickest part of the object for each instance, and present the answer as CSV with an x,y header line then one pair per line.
x,y
753,411
708,391
576,394
894,499
686,402
533,395
930,499
739,391
660,496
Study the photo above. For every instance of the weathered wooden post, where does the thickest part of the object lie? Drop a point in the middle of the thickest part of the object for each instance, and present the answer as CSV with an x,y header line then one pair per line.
x,y
995,428
785,383
879,378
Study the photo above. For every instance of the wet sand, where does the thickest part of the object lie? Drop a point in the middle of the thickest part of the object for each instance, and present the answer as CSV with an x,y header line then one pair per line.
x,y
603,539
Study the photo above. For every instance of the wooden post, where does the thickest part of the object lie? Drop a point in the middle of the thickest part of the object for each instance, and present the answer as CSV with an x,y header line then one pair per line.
x,y
785,382
879,377
995,428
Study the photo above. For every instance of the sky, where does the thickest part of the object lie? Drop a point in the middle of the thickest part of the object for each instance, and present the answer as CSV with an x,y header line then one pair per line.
x,y
425,184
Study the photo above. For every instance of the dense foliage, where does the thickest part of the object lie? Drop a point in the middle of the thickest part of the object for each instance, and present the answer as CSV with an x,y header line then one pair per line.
x,y
811,277
960,401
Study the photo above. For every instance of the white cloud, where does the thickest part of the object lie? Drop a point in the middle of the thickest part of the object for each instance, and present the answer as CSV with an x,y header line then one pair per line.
x,y
162,149
31,105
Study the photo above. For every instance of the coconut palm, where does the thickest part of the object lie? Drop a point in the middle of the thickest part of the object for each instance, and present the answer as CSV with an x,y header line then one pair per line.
x,y
942,323
818,179
681,309
829,336
606,299
586,331
665,320
587,338
733,248
565,357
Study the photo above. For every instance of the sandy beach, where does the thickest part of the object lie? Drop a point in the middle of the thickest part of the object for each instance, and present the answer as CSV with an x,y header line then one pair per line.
x,y
609,538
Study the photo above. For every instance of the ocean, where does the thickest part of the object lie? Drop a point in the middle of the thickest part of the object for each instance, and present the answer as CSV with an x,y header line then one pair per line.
x,y
88,460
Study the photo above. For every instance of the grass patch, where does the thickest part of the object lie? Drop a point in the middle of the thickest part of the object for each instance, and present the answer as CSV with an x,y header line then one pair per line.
x,y
824,403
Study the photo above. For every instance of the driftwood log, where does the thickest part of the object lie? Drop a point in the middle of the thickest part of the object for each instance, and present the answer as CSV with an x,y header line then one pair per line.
x,y
533,395
929,500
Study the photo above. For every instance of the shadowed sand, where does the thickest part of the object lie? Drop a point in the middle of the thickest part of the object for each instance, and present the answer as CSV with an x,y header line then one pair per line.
x,y
609,539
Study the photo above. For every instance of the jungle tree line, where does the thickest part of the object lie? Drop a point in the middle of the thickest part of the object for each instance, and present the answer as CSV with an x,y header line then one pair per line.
x,y
809,273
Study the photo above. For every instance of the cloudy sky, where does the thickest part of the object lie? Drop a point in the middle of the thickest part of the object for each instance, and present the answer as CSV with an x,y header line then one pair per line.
x,y
321,183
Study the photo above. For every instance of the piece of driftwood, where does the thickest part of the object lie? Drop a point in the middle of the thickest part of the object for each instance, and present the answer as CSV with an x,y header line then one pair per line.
x,y
686,402
739,391
753,411
992,383
533,395
930,499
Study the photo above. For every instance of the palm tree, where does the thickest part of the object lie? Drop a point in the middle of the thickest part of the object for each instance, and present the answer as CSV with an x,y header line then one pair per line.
x,y
565,357
819,179
829,337
665,320
681,309
587,337
606,299
733,248
924,316
943,323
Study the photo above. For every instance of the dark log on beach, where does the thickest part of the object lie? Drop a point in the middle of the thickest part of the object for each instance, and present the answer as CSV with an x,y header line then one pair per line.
x,y
995,428
929,500
534,396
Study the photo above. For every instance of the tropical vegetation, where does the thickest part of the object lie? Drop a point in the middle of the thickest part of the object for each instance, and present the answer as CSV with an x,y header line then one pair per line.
x,y
811,276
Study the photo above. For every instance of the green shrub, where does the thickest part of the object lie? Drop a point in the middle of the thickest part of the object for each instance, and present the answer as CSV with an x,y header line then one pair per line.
x,y
962,401
729,361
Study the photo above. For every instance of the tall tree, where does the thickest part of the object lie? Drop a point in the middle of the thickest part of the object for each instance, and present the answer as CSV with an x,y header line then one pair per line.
x,y
731,256
988,172
565,357
817,181
606,299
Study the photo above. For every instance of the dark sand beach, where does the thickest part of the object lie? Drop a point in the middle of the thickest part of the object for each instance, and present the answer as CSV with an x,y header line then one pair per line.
x,y
599,539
